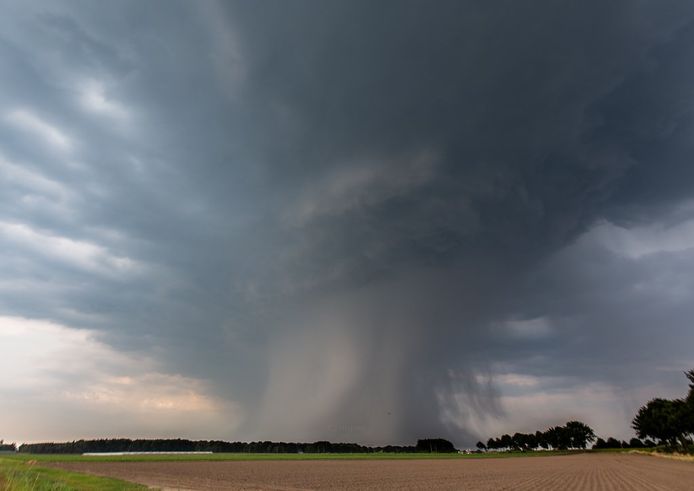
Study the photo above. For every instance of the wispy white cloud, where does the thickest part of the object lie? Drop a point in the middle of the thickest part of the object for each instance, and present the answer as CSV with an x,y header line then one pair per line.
x,y
48,133
538,327
82,254
517,380
94,98
29,180
640,241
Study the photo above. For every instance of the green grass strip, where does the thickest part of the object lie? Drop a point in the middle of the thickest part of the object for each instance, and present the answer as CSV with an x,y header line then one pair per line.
x,y
25,475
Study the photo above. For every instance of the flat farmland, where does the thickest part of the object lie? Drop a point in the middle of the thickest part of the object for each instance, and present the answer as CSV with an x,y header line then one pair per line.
x,y
567,472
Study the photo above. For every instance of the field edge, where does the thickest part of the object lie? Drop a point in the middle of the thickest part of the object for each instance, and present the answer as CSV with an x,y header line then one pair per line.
x,y
28,475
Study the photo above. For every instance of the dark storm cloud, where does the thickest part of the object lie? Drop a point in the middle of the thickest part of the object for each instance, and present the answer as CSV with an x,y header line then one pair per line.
x,y
356,219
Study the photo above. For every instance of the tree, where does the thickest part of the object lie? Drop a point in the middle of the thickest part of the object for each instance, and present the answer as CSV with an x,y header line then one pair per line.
x,y
558,438
636,443
518,441
435,445
610,443
579,434
481,446
690,377
662,419
688,409
600,443
7,447
613,443
669,421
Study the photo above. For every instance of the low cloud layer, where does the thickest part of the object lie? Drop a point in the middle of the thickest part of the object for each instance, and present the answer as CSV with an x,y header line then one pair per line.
x,y
352,221
62,383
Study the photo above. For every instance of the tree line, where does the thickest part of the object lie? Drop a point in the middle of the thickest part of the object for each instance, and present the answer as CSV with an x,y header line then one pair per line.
x,y
438,445
614,443
573,435
669,421
664,422
7,447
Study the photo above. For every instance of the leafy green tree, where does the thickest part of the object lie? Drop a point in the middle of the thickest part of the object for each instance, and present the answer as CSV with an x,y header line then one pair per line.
x,y
518,441
688,409
579,434
636,443
600,443
7,447
558,437
435,445
663,420
612,442
668,421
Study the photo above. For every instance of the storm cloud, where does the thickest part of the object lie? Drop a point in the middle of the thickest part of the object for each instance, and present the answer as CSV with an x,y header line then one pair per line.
x,y
355,221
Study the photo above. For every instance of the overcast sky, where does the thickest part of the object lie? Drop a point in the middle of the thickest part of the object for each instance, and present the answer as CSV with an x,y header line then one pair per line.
x,y
346,220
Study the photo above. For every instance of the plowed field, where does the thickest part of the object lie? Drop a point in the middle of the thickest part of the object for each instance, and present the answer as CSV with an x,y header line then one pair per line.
x,y
570,472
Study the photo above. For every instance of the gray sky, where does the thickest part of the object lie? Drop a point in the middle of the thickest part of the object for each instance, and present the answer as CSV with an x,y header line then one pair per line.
x,y
354,221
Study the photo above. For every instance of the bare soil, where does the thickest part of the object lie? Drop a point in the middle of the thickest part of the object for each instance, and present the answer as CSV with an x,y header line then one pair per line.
x,y
571,472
